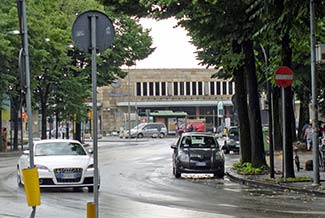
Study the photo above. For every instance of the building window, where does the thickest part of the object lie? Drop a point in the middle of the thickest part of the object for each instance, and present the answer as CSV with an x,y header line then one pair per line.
x,y
157,89
212,88
145,89
194,88
188,88
230,88
138,89
163,89
218,88
224,88
181,88
200,88
151,89
175,86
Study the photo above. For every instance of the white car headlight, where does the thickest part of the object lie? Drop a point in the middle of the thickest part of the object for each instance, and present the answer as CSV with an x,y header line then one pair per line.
x,y
90,167
41,167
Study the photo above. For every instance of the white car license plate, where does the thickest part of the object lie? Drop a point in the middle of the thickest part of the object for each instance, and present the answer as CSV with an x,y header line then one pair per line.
x,y
200,164
68,175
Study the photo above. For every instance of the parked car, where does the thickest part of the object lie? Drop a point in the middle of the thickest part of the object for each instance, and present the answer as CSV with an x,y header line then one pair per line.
x,y
198,153
60,163
146,130
232,140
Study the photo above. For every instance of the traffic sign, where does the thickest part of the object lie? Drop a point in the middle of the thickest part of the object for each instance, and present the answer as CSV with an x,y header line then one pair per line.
x,y
81,32
284,76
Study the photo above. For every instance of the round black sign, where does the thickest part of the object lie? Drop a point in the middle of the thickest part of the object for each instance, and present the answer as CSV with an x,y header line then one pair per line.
x,y
81,31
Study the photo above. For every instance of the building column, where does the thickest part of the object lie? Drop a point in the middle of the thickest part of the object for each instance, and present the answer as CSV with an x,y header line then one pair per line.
x,y
197,112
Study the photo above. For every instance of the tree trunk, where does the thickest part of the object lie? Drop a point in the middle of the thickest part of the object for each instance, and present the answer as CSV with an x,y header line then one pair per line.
x,y
254,114
57,124
287,61
303,114
277,118
77,135
15,120
43,121
240,98
1,125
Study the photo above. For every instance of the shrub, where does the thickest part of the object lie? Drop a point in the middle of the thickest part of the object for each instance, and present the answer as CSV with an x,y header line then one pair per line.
x,y
248,169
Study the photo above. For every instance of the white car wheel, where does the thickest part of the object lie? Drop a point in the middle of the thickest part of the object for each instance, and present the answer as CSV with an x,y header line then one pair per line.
x,y
19,182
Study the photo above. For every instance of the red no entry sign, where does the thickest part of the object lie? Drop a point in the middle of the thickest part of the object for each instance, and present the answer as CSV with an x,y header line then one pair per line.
x,y
283,76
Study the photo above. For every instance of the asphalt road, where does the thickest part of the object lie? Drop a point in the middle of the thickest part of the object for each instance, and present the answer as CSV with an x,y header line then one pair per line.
x,y
137,182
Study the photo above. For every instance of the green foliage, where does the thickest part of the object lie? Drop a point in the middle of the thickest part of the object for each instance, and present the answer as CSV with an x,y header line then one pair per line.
x,y
248,169
60,74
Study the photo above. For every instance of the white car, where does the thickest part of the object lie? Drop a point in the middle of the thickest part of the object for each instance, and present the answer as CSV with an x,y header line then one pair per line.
x,y
60,163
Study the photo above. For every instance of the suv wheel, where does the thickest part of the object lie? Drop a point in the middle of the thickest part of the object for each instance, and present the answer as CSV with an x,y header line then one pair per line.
x,y
176,173
161,135
140,135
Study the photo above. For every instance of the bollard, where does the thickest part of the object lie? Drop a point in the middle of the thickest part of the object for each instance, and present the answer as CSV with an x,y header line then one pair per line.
x,y
32,189
91,210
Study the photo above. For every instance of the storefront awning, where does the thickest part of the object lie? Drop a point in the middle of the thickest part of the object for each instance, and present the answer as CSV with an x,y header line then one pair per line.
x,y
171,103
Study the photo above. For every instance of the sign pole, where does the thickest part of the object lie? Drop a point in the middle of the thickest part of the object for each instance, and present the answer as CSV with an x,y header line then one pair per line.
x,y
94,102
85,38
284,78
284,134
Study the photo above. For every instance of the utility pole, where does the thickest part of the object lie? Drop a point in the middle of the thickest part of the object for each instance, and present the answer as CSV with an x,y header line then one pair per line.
x,y
314,115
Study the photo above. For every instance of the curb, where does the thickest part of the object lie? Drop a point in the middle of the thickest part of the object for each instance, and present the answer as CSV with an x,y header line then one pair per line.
x,y
256,183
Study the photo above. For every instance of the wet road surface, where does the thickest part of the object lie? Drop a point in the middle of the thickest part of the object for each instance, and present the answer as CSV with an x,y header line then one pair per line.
x,y
137,182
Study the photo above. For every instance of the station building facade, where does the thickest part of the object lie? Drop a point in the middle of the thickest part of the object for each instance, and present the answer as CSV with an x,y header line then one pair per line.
x,y
144,92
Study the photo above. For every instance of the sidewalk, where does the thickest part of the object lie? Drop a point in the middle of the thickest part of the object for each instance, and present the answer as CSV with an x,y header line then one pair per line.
x,y
305,185
11,153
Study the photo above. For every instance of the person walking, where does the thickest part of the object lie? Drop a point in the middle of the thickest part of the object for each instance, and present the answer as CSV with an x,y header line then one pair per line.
x,y
4,139
308,136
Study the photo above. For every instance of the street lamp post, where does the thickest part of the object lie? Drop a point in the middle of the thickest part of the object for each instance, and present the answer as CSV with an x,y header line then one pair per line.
x,y
21,6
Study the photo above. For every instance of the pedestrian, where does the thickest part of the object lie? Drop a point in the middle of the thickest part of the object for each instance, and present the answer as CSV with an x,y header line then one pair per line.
x,y
190,128
308,136
4,139
303,129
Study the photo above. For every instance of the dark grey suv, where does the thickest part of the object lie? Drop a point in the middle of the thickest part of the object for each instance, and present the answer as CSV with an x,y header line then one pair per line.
x,y
198,153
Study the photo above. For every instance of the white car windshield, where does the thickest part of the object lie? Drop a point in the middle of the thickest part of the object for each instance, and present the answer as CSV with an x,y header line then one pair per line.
x,y
59,148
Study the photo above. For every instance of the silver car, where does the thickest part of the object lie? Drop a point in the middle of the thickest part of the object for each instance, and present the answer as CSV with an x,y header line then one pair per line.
x,y
146,130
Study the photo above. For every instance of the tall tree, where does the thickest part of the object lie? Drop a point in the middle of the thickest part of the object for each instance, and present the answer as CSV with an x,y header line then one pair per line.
x,y
213,26
56,80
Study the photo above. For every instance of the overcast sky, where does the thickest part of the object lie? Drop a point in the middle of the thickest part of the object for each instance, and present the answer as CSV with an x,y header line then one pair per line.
x,y
173,49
